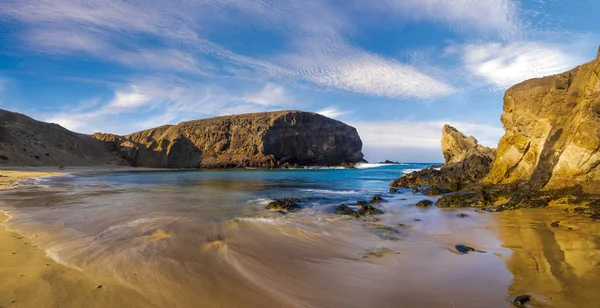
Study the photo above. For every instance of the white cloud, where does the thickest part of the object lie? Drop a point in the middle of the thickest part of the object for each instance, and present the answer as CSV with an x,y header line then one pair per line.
x,y
162,101
270,95
425,134
107,30
332,112
504,65
417,141
464,15
372,75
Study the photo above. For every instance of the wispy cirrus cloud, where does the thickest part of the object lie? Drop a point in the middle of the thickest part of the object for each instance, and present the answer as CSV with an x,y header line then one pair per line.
x,y
152,102
107,31
502,65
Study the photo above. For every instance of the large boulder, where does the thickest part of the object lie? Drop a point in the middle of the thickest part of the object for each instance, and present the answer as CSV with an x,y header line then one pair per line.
x,y
457,147
467,162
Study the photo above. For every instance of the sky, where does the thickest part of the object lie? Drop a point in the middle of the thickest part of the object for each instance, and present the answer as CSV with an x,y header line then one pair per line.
x,y
397,70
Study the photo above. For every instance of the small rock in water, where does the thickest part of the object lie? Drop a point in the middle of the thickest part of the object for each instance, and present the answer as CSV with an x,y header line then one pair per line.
x,y
361,202
555,224
462,215
521,300
393,190
417,219
369,210
283,204
424,203
376,199
346,210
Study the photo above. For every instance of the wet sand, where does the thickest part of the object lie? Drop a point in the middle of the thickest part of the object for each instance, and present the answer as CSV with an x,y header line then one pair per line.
x,y
28,278
163,247
8,178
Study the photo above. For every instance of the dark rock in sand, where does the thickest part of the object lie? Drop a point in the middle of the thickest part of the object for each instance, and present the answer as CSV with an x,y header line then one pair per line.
x,y
376,199
462,215
521,300
345,210
462,249
434,190
424,203
283,204
595,216
369,210
555,224
377,253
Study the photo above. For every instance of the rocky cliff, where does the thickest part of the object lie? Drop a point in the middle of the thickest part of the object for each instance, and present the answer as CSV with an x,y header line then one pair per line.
x,y
552,138
268,139
467,162
457,147
549,153
27,142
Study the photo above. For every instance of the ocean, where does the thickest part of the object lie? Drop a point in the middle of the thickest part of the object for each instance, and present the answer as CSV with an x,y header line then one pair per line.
x,y
205,238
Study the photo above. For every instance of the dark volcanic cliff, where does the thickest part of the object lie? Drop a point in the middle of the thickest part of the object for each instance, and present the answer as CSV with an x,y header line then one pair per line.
x,y
265,140
27,142
268,139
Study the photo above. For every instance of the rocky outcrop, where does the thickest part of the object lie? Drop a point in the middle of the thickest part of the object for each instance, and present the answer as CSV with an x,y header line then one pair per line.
x,y
268,139
27,142
457,147
549,153
467,162
552,138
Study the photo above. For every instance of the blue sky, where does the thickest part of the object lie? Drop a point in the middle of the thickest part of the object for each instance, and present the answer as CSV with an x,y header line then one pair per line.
x,y
397,70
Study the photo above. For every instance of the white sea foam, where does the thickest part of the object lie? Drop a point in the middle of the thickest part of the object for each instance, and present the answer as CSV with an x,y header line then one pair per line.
x,y
333,192
262,220
407,171
367,166
263,201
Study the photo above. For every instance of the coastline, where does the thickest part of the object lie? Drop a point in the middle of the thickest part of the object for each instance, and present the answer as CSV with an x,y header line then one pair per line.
x,y
32,279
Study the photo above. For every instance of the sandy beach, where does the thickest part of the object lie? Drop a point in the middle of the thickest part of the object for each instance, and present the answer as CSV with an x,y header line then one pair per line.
x,y
29,278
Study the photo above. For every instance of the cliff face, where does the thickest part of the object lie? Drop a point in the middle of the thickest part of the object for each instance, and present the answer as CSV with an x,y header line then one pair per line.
x,y
27,142
268,139
552,138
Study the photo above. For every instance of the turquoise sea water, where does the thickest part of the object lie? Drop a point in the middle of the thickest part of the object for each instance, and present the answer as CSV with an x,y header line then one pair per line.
x,y
205,239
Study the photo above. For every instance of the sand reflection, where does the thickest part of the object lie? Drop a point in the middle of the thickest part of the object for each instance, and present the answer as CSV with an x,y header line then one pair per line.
x,y
558,266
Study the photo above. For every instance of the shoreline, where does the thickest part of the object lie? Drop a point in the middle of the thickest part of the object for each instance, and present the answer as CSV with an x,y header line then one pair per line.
x,y
32,279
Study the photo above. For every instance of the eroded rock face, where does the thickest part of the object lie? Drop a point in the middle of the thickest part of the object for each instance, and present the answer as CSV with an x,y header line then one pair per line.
x,y
550,152
467,162
266,140
457,147
552,135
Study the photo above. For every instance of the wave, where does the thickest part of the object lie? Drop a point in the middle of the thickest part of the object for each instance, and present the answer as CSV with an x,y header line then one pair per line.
x,y
263,201
333,192
407,171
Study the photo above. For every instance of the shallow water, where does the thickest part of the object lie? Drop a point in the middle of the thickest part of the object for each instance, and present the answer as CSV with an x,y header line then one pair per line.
x,y
188,239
